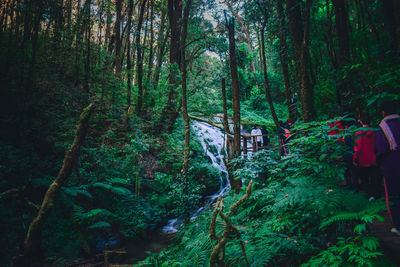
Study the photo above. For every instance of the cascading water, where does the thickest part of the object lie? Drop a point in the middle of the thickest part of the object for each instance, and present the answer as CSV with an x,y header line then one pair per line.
x,y
209,136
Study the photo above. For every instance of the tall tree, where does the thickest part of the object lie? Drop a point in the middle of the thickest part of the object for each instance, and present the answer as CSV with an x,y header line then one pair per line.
x,y
88,23
185,114
342,32
244,29
266,81
224,108
299,31
139,60
129,61
117,36
162,38
392,9
230,25
264,65
283,57
170,111
151,52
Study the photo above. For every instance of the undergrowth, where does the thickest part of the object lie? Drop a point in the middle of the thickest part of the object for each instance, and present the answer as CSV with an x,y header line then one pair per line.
x,y
297,213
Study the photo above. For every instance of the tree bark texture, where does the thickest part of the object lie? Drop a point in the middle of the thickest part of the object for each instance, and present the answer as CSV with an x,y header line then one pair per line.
x,y
170,111
224,108
161,44
299,32
30,252
88,39
342,32
266,81
117,36
139,61
129,62
245,30
183,88
235,86
283,56
151,56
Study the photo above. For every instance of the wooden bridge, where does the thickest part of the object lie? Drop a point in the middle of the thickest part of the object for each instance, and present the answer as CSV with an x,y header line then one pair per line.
x,y
250,144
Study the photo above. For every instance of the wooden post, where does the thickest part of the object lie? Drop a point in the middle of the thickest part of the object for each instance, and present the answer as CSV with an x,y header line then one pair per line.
x,y
230,147
244,145
253,143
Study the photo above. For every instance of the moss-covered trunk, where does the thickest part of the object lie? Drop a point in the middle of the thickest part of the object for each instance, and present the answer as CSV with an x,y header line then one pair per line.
x,y
30,253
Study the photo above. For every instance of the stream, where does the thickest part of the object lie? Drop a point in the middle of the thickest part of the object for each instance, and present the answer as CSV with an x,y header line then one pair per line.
x,y
209,136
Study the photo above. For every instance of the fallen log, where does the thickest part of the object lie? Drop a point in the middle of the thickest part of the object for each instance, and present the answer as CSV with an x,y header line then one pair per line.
x,y
219,126
30,253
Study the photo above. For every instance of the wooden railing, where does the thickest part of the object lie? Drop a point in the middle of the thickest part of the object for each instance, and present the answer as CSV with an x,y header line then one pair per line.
x,y
254,145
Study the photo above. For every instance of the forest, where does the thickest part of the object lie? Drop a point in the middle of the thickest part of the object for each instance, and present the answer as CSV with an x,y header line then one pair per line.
x,y
200,133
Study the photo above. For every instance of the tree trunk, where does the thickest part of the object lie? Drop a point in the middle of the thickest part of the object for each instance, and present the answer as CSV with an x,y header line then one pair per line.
x,y
224,109
30,253
150,64
245,30
299,33
183,91
139,61
129,63
366,10
117,36
169,113
27,23
88,35
78,42
392,9
108,28
145,44
283,56
341,26
10,35
59,23
266,82
161,45
341,22
235,86
36,28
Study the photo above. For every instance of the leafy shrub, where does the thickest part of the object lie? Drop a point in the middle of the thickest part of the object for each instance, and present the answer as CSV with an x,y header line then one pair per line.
x,y
297,213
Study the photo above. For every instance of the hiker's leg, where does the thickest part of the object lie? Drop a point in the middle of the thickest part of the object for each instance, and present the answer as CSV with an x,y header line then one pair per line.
x,y
352,174
393,186
376,186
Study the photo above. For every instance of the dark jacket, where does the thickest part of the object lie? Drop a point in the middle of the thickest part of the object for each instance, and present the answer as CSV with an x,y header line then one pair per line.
x,y
389,160
265,138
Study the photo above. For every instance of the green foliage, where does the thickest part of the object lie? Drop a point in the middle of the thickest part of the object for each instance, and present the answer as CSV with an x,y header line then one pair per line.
x,y
359,250
296,214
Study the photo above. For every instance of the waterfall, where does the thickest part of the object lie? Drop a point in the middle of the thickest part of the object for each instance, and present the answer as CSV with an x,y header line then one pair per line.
x,y
209,136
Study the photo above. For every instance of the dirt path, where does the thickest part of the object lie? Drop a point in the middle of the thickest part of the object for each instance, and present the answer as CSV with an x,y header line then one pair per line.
x,y
390,242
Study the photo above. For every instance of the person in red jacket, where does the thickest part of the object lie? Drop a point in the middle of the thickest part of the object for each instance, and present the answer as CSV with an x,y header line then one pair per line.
x,y
364,160
336,128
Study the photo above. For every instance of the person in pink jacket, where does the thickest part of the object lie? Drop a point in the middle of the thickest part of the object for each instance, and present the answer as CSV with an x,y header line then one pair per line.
x,y
364,160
